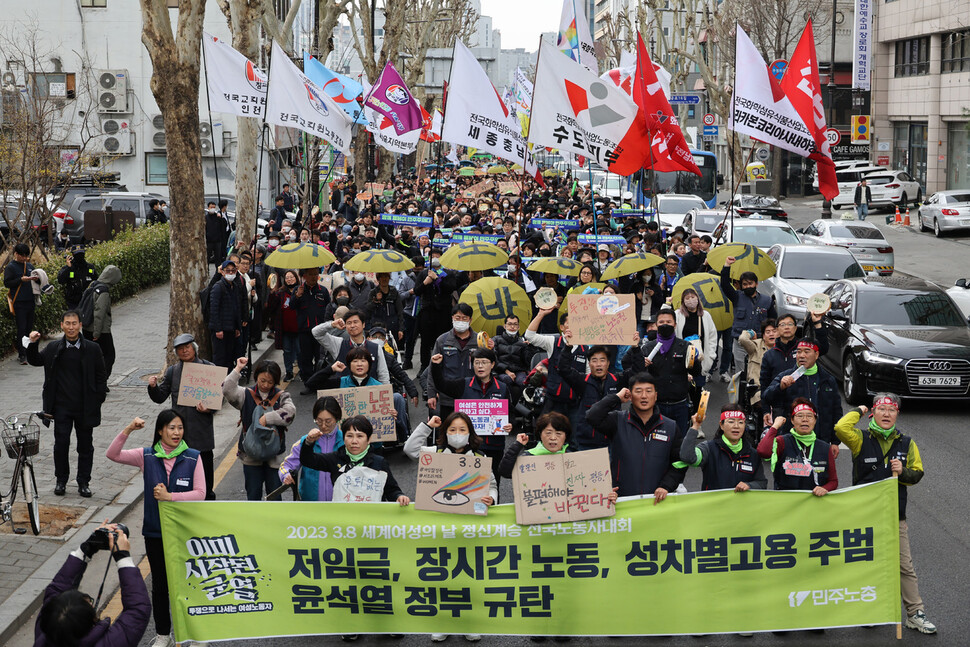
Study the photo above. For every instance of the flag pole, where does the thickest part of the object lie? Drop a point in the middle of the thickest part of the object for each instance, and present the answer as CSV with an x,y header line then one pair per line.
x,y
646,125
262,151
212,130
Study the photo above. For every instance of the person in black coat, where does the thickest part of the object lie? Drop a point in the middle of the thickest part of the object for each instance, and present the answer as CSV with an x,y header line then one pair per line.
x,y
311,302
75,277
75,385
216,234
435,287
225,316
781,356
809,381
17,278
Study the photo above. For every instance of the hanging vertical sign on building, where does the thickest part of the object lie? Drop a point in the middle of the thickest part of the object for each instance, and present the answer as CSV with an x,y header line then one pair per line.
x,y
862,37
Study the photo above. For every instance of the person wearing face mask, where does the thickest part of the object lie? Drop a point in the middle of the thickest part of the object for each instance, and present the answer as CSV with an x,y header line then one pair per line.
x,y
225,315
751,309
435,286
406,244
513,355
800,460
879,452
286,329
649,298
695,325
668,366
727,461
216,234
411,303
385,307
311,301
339,298
455,348
482,385
360,291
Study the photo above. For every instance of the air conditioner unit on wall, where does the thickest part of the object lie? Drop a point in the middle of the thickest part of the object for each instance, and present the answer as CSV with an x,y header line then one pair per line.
x,y
157,134
112,91
210,139
115,137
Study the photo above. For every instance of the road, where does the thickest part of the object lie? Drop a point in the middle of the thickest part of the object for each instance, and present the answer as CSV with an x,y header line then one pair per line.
x,y
939,510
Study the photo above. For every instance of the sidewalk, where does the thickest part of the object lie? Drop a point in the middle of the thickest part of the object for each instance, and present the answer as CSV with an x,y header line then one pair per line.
x,y
27,563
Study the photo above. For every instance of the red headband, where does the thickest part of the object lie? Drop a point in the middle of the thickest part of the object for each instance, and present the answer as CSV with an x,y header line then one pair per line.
x,y
803,407
808,344
888,401
733,414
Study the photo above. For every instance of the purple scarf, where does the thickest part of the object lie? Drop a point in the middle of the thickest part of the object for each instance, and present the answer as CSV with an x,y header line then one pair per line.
x,y
665,344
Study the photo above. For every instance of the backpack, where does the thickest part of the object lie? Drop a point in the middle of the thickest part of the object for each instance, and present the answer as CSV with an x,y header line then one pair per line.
x,y
204,302
86,306
261,443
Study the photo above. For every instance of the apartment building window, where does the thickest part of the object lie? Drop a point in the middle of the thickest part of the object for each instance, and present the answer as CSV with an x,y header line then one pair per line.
x,y
956,52
54,85
912,57
156,168
94,3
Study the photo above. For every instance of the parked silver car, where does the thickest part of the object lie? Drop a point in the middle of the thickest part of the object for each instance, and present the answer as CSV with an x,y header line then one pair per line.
x,y
862,238
135,202
945,211
804,270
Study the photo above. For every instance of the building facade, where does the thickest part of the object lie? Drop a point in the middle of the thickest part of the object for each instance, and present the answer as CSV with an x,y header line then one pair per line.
x,y
921,90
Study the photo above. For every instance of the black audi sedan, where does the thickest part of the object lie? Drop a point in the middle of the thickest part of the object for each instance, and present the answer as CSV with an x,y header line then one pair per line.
x,y
898,334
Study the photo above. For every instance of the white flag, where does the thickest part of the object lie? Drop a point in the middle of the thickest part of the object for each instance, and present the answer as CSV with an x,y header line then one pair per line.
x,y
574,40
386,137
522,92
452,155
760,107
476,116
295,101
623,76
235,85
574,110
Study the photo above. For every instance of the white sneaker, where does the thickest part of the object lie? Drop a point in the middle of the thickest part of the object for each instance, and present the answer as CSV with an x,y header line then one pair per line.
x,y
473,638
439,638
919,622
163,641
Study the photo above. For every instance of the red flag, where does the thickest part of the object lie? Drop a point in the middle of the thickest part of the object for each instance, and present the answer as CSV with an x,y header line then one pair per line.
x,y
801,85
670,149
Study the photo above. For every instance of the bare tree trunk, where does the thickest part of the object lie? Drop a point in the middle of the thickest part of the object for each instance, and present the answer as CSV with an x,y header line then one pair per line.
x,y
175,85
361,153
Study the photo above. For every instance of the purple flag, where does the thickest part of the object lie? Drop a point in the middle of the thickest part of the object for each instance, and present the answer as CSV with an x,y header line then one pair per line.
x,y
391,97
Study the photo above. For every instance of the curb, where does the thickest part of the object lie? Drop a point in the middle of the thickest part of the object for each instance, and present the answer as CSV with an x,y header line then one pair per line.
x,y
27,598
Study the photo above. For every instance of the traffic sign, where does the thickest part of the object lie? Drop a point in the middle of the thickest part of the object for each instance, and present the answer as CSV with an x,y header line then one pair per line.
x,y
762,154
708,119
777,68
834,136
710,131
687,99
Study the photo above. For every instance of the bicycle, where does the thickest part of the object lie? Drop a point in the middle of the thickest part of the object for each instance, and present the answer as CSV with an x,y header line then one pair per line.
x,y
21,440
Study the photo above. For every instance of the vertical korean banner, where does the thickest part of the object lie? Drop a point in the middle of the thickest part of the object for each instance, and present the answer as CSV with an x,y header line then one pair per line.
x,y
862,45
323,568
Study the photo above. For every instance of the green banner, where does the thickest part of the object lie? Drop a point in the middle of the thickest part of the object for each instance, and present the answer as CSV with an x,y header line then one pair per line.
x,y
763,560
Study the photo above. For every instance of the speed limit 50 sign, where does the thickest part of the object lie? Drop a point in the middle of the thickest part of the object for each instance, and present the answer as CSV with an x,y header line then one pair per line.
x,y
834,136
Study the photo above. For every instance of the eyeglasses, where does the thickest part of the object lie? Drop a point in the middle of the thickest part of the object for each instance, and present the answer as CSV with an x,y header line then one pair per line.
x,y
787,324
481,362
324,422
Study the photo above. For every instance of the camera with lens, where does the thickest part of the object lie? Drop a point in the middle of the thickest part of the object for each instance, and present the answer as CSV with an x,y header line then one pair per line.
x,y
100,537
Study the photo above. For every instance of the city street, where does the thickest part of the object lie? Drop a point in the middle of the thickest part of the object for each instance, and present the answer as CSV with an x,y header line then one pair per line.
x,y
939,514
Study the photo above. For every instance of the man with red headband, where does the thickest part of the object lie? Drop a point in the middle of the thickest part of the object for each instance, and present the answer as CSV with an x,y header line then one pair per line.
x,y
807,380
880,452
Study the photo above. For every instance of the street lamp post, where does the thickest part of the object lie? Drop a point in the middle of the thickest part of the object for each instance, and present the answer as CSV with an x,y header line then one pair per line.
x,y
826,203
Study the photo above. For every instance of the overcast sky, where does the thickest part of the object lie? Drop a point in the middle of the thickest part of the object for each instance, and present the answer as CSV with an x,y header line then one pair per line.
x,y
521,21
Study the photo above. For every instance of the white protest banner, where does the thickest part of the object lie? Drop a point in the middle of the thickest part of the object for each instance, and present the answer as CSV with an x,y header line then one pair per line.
x,y
452,483
360,485
476,116
488,416
376,403
760,107
201,384
554,488
386,137
294,101
236,86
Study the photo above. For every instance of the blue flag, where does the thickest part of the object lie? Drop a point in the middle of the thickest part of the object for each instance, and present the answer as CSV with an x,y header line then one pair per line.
x,y
342,89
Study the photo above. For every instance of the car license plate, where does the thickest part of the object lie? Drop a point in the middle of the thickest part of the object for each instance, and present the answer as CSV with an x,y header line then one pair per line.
x,y
934,380
866,256
965,222
867,268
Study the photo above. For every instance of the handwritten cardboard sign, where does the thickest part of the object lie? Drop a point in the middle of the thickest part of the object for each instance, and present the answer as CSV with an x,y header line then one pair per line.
x,y
477,189
376,403
508,187
488,416
559,488
360,485
602,319
452,483
201,383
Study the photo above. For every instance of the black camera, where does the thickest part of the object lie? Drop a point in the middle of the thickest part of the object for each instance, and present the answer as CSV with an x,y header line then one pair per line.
x,y
100,537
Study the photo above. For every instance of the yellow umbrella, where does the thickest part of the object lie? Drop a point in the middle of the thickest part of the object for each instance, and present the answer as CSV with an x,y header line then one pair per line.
x,y
630,264
557,265
550,172
493,299
497,169
516,167
297,256
379,260
748,258
708,288
473,255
